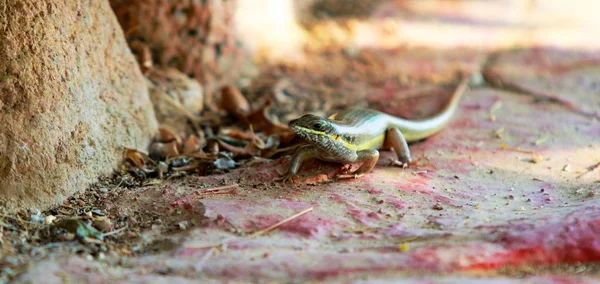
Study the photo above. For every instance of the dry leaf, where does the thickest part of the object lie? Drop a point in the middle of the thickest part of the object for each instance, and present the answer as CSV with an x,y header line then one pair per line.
x,y
166,134
161,151
135,158
192,145
233,102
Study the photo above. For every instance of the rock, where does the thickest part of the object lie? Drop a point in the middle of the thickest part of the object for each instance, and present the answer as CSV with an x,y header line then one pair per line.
x,y
193,36
71,97
174,94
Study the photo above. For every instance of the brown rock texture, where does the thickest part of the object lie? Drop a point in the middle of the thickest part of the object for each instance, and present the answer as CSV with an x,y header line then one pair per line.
x,y
194,36
71,97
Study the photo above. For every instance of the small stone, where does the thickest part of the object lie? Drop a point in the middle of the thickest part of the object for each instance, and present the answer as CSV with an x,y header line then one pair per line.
x,y
438,206
49,219
183,225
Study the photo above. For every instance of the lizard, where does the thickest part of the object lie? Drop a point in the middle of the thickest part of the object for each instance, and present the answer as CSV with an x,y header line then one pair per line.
x,y
355,135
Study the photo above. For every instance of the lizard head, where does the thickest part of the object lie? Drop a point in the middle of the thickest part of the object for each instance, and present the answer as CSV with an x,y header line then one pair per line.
x,y
314,129
324,135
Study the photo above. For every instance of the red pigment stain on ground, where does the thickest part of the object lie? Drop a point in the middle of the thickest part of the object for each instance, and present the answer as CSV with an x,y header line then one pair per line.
x,y
352,200
312,226
461,166
293,205
397,230
446,222
258,222
448,201
337,198
374,191
418,184
464,122
307,226
361,215
228,208
574,240
399,204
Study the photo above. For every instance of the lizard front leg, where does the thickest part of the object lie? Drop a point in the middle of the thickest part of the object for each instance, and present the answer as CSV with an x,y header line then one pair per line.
x,y
305,153
396,140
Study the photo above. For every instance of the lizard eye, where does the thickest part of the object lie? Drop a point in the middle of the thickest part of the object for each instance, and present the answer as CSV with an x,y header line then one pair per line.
x,y
318,126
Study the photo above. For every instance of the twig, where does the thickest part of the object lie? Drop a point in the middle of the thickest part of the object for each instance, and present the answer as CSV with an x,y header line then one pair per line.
x,y
516,149
220,187
115,231
590,169
229,192
255,234
205,191
274,226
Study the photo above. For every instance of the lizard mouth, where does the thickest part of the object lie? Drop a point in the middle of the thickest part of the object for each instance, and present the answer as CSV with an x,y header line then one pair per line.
x,y
308,134
300,131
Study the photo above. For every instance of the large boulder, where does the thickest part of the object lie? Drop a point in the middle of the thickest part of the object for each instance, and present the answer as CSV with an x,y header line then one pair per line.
x,y
71,97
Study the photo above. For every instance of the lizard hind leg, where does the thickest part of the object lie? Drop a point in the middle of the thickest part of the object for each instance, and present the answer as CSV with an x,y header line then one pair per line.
x,y
396,140
370,158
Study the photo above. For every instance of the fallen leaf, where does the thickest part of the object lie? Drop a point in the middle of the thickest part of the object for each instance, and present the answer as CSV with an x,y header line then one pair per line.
x,y
135,158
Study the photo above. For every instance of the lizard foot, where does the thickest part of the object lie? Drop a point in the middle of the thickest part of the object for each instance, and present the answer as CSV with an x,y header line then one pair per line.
x,y
285,178
401,164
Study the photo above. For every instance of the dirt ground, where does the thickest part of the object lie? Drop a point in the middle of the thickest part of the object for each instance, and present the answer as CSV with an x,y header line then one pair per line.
x,y
508,192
